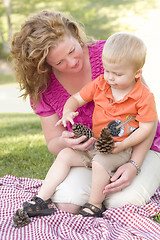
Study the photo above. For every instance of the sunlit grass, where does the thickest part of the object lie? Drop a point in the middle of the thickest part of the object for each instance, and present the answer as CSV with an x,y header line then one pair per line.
x,y
23,151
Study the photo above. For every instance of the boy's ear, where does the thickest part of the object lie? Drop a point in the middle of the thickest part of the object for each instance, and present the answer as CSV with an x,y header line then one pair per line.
x,y
138,73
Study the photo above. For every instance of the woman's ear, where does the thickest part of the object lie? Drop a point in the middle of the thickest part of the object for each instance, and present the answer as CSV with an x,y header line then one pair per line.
x,y
138,73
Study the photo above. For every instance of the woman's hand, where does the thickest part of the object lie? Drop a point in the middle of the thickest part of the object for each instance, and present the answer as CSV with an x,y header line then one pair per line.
x,y
75,143
121,179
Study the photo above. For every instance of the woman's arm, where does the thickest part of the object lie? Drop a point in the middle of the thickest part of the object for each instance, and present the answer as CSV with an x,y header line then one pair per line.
x,y
58,137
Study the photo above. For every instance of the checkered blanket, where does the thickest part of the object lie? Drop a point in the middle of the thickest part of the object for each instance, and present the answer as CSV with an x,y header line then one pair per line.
x,y
128,222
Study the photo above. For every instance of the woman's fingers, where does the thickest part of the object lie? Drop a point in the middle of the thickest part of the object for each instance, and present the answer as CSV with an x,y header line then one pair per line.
x,y
86,145
67,134
121,179
117,186
76,143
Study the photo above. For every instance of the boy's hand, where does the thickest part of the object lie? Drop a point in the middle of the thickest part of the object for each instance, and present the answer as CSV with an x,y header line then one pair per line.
x,y
118,147
67,117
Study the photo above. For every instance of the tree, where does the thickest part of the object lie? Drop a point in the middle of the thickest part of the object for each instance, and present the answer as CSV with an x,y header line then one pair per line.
x,y
5,44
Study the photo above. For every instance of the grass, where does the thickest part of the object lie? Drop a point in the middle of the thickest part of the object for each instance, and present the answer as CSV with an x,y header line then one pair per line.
x,y
7,79
156,218
23,151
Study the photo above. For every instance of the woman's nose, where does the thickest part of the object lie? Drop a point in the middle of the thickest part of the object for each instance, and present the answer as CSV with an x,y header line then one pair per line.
x,y
71,62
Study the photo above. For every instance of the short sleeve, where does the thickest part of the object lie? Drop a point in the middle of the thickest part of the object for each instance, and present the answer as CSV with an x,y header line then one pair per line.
x,y
147,109
43,109
88,91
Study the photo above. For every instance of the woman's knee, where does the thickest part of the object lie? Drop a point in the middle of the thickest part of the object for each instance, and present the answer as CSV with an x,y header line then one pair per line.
x,y
143,186
75,189
122,198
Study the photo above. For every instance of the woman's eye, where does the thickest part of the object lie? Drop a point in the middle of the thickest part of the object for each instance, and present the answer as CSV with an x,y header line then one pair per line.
x,y
58,63
72,51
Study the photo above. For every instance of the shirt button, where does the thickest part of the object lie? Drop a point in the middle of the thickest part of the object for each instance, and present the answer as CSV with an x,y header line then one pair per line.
x,y
111,101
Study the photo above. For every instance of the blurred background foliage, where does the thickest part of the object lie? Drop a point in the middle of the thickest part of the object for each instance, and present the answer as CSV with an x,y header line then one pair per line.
x,y
101,18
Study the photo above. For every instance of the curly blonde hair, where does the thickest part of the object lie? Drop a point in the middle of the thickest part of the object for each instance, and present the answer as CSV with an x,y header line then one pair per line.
x,y
30,47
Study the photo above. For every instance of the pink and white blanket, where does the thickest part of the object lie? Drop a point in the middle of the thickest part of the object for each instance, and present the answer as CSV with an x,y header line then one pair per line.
x,y
128,222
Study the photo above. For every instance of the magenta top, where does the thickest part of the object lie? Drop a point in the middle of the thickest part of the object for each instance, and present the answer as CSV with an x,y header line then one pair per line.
x,y
55,96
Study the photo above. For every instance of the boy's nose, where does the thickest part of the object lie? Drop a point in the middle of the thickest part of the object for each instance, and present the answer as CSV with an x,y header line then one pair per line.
x,y
111,77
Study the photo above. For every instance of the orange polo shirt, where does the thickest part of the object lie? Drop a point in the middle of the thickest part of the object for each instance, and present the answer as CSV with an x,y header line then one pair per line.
x,y
138,103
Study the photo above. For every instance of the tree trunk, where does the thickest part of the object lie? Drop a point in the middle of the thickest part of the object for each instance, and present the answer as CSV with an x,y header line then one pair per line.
x,y
6,50
7,4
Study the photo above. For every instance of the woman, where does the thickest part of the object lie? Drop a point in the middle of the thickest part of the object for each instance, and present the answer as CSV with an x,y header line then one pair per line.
x,y
53,60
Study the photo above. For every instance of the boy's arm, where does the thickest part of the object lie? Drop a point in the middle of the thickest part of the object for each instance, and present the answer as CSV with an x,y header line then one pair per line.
x,y
127,172
70,107
138,136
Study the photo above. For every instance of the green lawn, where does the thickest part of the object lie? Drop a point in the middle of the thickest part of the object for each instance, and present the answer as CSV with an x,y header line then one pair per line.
x,y
6,79
23,151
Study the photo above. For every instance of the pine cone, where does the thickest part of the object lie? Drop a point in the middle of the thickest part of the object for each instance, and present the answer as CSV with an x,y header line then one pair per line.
x,y
20,218
105,142
80,130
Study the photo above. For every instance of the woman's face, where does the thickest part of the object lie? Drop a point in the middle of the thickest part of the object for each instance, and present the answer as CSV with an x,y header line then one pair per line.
x,y
67,56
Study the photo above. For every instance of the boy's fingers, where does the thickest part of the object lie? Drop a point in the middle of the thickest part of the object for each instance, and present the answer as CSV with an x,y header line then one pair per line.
x,y
71,121
68,119
64,123
76,113
58,123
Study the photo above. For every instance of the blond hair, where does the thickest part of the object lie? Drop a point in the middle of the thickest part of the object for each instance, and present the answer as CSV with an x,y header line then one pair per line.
x,y
30,47
120,46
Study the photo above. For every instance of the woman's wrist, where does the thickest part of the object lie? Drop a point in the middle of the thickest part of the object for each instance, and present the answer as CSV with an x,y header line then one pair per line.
x,y
136,165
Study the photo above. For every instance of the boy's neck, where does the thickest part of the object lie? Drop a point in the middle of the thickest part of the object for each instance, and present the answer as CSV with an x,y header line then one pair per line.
x,y
119,94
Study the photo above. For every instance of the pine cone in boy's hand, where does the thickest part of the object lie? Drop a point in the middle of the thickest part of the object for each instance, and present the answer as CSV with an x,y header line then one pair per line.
x,y
80,130
105,142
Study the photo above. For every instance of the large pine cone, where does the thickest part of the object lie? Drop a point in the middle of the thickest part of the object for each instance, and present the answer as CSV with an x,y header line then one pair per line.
x,y
81,130
20,218
105,142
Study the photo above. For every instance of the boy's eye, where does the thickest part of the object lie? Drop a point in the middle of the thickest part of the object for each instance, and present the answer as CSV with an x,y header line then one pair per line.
x,y
118,74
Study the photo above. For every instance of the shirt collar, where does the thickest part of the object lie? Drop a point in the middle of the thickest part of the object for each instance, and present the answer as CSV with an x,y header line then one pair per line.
x,y
135,93
102,84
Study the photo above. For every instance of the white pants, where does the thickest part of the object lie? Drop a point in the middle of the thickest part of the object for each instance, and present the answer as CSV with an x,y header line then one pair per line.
x,y
76,187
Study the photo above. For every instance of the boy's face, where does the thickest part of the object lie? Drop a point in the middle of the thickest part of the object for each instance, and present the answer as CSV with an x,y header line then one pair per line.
x,y
119,75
